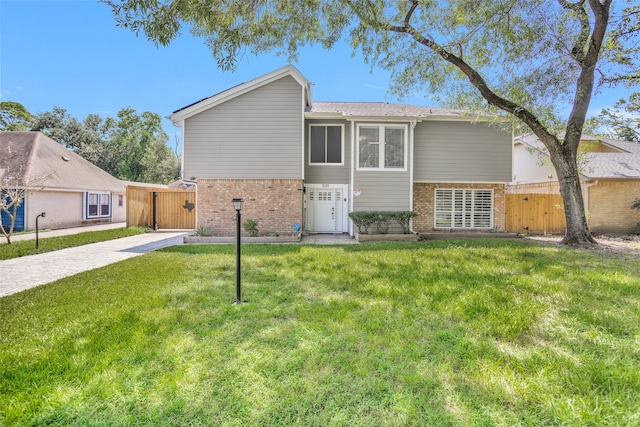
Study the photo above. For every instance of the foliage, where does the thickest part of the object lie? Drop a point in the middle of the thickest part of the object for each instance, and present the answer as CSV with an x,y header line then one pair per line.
x,y
203,231
14,116
251,227
14,185
363,220
533,60
636,205
382,220
48,244
132,146
622,121
444,333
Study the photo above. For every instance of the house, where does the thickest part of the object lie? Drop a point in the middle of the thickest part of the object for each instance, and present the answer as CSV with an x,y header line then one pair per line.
x,y
301,164
69,189
609,175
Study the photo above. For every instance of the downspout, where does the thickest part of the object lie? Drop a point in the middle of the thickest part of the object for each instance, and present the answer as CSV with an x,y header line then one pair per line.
x,y
411,164
352,173
585,196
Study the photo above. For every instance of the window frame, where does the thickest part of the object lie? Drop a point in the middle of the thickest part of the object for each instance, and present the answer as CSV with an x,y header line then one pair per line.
x,y
469,198
101,198
325,163
382,146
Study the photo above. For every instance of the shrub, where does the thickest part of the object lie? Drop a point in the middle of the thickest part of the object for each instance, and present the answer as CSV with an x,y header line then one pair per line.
x,y
382,219
203,231
362,220
251,227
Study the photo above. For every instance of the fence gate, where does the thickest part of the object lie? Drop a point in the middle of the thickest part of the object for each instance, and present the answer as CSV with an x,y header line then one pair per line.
x,y
535,214
161,208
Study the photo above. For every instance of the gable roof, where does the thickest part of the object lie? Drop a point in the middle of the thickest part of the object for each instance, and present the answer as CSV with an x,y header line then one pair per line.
x,y
32,157
235,91
624,164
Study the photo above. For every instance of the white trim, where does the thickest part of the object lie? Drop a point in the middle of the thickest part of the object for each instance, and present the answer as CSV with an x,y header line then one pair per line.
x,y
241,89
381,151
411,165
352,178
341,125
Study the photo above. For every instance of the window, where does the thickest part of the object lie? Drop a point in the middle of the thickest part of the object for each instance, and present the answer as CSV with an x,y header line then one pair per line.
x,y
462,208
120,200
98,205
325,144
382,147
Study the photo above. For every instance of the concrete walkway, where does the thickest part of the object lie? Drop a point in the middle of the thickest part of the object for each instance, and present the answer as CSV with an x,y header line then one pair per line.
x,y
27,272
30,271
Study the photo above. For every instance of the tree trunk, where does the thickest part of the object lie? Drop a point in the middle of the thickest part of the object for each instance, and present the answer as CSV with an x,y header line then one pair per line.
x,y
574,210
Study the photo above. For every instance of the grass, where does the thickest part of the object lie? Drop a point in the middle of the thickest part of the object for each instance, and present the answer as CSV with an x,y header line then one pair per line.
x,y
446,333
48,244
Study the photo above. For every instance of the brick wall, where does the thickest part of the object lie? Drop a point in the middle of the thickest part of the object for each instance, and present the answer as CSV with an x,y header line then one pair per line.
x,y
275,203
424,203
609,206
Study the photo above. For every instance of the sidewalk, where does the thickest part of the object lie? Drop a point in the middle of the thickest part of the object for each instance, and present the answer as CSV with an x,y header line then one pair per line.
x,y
27,272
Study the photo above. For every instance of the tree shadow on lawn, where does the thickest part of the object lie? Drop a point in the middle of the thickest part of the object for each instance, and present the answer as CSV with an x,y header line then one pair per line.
x,y
441,333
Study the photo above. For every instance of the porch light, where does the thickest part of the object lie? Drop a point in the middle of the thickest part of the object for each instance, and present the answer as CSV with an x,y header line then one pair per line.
x,y
237,205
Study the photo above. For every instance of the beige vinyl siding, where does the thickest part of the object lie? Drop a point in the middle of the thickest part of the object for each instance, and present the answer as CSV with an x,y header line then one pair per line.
x,y
461,152
328,174
253,136
382,191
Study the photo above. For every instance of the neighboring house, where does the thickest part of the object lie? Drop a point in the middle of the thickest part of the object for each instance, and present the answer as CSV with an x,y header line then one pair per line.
x,y
304,164
71,190
609,174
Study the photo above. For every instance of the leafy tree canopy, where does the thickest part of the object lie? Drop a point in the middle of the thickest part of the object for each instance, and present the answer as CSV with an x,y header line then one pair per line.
x,y
131,146
620,122
14,116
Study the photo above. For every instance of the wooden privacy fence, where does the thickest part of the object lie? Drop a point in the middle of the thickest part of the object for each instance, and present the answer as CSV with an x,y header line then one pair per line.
x,y
161,208
535,214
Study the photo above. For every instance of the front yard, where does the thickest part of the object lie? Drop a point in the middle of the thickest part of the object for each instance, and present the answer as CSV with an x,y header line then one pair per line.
x,y
459,332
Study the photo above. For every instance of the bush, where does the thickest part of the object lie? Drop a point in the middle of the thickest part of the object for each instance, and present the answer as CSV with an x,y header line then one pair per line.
x,y
382,219
251,227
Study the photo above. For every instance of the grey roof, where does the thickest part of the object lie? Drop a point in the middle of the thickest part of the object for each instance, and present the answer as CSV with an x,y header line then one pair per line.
x,y
379,109
32,157
624,164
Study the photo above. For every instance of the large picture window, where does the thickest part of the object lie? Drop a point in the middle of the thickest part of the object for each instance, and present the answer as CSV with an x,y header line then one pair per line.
x,y
382,147
98,205
325,144
463,208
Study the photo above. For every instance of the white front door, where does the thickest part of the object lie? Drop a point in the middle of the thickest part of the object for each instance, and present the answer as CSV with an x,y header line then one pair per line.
x,y
325,209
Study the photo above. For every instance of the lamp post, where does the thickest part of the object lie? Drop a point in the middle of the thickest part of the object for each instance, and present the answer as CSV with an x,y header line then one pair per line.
x,y
237,205
41,215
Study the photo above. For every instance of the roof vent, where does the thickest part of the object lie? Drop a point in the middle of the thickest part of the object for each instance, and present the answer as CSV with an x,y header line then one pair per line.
x,y
65,158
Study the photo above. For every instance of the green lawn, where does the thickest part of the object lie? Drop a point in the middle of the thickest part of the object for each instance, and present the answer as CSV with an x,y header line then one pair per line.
x,y
48,244
446,333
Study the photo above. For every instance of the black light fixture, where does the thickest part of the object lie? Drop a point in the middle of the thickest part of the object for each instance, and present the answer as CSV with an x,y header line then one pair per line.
x,y
41,215
237,205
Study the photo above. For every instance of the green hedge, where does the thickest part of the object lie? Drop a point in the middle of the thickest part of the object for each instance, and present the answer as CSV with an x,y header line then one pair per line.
x,y
382,220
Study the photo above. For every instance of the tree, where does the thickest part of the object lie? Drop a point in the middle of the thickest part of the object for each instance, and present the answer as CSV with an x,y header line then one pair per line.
x,y
14,116
132,147
137,148
535,60
14,184
622,121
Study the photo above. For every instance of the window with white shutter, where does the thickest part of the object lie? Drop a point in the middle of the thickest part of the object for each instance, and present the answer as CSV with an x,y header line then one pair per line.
x,y
463,208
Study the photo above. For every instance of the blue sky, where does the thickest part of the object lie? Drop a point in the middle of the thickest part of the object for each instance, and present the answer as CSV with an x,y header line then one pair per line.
x,y
71,54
